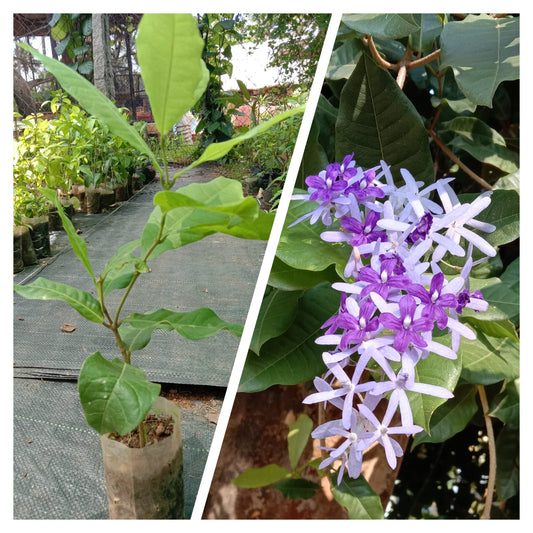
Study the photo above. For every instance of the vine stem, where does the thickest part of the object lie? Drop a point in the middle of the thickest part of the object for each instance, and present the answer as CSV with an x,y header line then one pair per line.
x,y
492,453
456,160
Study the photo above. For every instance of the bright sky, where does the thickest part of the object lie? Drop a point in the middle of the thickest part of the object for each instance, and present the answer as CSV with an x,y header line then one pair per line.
x,y
251,69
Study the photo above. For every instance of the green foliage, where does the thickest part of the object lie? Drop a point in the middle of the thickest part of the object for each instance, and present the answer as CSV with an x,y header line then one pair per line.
x,y
219,34
72,33
71,148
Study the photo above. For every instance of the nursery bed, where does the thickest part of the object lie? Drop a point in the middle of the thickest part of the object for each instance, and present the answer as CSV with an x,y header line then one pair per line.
x,y
58,470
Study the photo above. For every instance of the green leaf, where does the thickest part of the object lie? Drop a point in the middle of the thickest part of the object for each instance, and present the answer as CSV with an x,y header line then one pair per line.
x,y
94,101
83,302
451,417
198,324
199,210
488,360
276,314
483,52
378,122
383,25
78,244
510,182
344,59
314,158
507,463
503,299
358,498
301,247
217,150
287,278
294,357
299,432
496,155
254,478
115,396
169,50
494,328
434,370
121,268
297,489
424,38
506,405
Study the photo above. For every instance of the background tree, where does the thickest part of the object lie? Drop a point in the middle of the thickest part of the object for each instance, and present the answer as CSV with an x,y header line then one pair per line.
x,y
294,40
220,33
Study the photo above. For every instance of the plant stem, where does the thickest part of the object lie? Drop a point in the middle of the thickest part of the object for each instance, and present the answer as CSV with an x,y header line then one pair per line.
x,y
141,429
492,453
456,160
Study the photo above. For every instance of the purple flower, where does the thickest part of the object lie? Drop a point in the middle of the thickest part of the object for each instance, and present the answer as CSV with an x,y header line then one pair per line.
x,y
323,186
351,450
363,188
381,282
421,229
464,298
405,381
434,300
348,389
382,431
357,322
407,328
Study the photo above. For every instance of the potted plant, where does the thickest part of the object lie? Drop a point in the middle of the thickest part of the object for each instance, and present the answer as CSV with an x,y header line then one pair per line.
x,y
116,397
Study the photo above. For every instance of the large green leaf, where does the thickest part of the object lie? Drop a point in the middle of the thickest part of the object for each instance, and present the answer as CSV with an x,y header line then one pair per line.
x,y
169,51
434,370
488,360
276,314
301,247
297,489
424,38
383,25
344,59
451,417
115,396
378,122
83,302
198,324
93,101
294,357
503,299
506,404
483,52
358,498
287,278
199,210
299,432
78,244
253,478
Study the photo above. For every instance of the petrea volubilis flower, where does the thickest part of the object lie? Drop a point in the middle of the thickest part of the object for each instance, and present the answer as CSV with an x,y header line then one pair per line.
x,y
392,299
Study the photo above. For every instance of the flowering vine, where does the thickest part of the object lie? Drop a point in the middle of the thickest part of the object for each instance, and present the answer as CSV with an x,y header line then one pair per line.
x,y
394,296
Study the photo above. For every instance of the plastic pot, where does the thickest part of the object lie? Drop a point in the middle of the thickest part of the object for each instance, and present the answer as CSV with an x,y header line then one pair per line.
x,y
92,195
40,235
146,483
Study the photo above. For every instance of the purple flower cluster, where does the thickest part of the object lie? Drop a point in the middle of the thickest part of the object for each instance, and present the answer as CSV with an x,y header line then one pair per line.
x,y
394,296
